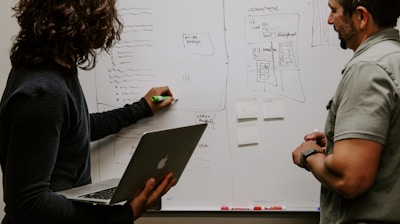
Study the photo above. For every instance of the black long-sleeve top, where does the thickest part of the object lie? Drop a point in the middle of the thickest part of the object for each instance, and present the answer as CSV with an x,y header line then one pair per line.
x,y
45,135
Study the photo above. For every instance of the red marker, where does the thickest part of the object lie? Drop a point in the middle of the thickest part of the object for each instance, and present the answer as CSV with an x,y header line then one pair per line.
x,y
257,208
224,208
275,207
240,209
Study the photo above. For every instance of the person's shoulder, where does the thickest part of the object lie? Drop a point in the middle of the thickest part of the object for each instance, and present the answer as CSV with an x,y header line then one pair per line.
x,y
41,80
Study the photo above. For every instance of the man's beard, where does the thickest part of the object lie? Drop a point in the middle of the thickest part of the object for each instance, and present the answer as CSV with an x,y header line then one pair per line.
x,y
345,34
343,43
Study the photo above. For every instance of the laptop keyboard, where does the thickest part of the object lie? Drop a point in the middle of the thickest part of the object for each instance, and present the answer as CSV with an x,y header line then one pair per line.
x,y
103,194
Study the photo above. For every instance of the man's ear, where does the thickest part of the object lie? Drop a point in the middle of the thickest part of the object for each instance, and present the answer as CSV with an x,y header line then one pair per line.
x,y
363,16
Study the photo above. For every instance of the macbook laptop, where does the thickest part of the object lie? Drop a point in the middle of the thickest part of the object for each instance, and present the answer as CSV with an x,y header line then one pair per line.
x,y
157,153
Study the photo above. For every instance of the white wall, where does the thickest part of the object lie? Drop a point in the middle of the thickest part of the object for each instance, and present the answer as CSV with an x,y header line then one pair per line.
x,y
9,28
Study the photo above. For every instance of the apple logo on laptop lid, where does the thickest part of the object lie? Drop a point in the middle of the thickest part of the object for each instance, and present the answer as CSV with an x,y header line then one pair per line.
x,y
162,162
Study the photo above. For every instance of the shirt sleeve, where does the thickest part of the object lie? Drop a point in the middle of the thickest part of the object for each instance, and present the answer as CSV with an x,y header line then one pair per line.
x,y
366,98
110,122
35,120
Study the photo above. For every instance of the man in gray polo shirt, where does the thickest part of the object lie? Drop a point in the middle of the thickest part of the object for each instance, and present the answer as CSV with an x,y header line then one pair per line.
x,y
357,159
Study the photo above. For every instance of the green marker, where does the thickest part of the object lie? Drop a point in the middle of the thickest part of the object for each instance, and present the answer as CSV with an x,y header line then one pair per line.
x,y
159,98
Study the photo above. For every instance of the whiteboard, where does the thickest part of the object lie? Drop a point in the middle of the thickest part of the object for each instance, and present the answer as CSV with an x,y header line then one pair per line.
x,y
258,72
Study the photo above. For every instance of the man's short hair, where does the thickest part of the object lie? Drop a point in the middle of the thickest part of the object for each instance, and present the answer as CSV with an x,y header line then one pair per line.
x,y
384,12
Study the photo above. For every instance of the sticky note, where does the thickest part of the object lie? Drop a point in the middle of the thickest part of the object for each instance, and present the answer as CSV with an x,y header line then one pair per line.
x,y
246,108
273,109
247,135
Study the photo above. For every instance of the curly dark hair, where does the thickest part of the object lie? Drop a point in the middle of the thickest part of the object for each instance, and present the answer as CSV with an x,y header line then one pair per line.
x,y
384,12
67,32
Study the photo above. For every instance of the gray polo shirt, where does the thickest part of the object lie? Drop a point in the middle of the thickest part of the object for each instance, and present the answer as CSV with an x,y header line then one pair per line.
x,y
367,106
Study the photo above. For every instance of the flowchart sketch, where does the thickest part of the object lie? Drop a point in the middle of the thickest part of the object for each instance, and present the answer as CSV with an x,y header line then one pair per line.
x,y
180,47
272,55
162,45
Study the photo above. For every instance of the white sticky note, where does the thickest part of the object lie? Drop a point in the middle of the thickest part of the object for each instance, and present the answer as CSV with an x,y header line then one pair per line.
x,y
246,108
273,109
247,135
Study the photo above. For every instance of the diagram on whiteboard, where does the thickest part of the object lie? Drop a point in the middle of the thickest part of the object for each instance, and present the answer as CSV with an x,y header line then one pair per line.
x,y
272,55
243,67
158,47
185,49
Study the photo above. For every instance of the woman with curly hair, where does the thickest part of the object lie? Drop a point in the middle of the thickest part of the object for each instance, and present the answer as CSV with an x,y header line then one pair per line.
x,y
45,126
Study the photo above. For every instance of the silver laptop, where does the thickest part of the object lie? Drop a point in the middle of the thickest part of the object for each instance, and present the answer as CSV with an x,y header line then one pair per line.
x,y
157,153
